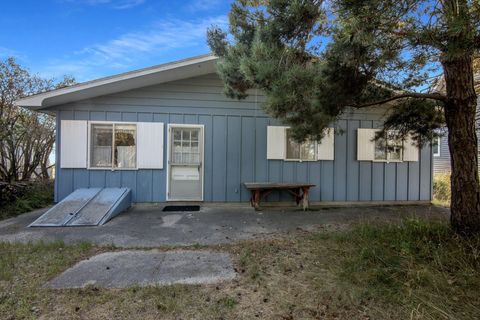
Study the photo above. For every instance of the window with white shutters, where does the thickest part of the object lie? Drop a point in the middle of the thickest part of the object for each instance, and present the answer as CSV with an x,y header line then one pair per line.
x,y
282,146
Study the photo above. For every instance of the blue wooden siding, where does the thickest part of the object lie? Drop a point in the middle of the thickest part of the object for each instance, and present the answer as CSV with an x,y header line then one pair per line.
x,y
235,149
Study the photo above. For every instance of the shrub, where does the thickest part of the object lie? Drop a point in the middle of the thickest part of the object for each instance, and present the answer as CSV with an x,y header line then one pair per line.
x,y
441,187
9,192
25,197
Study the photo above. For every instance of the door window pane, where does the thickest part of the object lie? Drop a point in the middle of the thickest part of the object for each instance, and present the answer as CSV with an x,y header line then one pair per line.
x,y
195,135
185,134
101,145
186,149
177,135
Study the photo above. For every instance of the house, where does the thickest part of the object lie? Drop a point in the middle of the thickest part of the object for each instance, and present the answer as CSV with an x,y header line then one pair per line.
x,y
168,133
440,149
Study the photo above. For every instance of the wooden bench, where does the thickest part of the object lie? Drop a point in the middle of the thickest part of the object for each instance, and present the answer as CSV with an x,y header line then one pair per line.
x,y
259,190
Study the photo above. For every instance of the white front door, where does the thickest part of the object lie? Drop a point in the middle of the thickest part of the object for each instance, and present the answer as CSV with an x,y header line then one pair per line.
x,y
185,163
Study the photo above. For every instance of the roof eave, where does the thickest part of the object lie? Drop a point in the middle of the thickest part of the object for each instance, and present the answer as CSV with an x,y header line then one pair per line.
x,y
127,81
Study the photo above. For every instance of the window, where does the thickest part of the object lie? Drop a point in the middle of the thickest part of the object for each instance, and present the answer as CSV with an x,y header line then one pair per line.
x,y
436,147
185,146
388,147
300,151
113,145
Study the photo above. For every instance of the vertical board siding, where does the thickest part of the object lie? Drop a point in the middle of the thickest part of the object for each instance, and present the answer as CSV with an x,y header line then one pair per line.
x,y
314,176
340,163
353,165
233,183
402,181
219,158
247,155
159,187
235,147
207,121
260,154
365,173
390,181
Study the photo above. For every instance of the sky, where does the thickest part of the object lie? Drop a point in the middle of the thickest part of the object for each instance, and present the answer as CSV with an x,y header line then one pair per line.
x,y
89,39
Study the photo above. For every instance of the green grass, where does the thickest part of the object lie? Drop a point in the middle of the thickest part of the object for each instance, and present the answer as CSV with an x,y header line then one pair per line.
x,y
411,270
421,266
38,195
23,270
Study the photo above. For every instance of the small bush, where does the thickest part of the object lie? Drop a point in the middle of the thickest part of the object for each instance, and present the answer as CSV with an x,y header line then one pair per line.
x,y
441,187
9,192
32,196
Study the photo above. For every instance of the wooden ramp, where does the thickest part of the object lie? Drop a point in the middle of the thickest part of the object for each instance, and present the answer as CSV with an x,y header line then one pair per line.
x,y
86,207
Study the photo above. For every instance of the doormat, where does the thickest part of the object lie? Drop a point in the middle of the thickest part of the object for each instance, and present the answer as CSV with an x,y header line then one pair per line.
x,y
181,208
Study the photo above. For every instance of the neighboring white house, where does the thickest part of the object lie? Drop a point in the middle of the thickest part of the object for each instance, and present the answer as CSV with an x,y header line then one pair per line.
x,y
440,149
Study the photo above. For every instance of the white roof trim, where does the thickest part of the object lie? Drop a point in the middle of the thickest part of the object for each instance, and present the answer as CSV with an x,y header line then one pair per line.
x,y
172,71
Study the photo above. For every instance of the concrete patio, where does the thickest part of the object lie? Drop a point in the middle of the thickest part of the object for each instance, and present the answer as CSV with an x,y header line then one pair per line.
x,y
148,226
124,269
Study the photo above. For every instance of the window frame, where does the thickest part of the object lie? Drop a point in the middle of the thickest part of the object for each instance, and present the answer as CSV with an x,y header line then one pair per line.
x,y
437,154
298,160
89,146
387,160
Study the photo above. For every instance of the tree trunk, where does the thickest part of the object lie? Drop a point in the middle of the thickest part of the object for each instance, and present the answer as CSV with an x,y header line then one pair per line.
x,y
460,112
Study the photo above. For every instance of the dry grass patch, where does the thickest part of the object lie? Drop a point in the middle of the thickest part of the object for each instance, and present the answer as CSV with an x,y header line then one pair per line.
x,y
415,270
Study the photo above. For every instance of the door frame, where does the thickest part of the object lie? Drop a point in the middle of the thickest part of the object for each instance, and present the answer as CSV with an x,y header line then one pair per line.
x,y
202,165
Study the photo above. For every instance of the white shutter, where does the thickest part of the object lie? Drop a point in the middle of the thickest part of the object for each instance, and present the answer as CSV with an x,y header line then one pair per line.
x,y
366,144
276,142
150,145
410,150
73,144
325,148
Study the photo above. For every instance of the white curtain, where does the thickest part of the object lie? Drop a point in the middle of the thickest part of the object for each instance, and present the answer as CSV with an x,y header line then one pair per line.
x,y
126,156
102,156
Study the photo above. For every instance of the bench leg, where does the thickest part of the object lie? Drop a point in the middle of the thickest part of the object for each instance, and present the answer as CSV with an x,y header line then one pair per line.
x,y
298,195
255,199
305,202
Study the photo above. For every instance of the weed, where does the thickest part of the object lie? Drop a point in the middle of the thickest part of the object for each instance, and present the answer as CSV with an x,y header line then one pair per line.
x,y
227,302
441,188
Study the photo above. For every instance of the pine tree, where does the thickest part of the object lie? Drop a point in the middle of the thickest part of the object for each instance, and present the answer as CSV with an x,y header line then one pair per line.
x,y
316,59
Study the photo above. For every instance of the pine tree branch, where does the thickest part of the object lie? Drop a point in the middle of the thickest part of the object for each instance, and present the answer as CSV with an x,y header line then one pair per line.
x,y
417,95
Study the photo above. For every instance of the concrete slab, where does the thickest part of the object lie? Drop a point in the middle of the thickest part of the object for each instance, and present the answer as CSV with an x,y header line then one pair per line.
x,y
145,268
148,226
